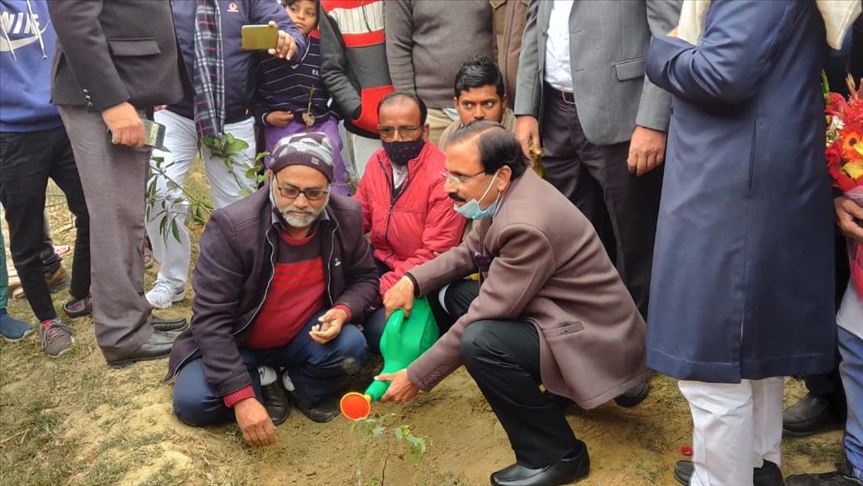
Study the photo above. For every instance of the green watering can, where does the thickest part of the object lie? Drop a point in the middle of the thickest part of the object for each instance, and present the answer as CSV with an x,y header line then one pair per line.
x,y
403,341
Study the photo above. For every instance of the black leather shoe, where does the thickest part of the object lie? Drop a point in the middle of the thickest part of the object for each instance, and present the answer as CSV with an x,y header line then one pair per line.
x,y
633,396
322,413
807,416
567,470
767,475
275,401
168,325
158,346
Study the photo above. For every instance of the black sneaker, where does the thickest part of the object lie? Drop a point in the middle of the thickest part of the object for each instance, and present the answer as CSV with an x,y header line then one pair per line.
x,y
75,308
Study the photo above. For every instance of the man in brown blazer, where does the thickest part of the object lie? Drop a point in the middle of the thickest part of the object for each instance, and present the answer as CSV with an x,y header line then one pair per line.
x,y
115,61
551,309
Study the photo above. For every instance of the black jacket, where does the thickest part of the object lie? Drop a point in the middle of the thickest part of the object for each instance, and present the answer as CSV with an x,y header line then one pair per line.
x,y
233,275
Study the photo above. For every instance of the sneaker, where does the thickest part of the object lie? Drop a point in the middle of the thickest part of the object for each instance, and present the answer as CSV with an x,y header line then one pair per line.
x,y
12,329
56,337
57,280
164,294
75,308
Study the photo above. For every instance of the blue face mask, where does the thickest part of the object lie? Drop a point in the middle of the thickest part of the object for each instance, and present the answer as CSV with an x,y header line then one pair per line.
x,y
471,209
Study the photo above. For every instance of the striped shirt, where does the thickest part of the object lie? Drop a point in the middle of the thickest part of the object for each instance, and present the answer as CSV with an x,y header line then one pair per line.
x,y
283,87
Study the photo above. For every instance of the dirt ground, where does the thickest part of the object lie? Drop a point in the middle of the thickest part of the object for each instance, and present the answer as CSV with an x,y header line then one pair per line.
x,y
74,421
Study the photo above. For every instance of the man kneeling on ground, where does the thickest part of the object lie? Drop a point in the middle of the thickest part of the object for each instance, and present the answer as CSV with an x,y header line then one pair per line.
x,y
279,277
549,309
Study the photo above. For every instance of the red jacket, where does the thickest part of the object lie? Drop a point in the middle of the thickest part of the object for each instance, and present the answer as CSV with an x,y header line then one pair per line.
x,y
415,224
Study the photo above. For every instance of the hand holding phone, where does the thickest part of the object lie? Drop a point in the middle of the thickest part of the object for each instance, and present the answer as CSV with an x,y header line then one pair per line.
x,y
260,37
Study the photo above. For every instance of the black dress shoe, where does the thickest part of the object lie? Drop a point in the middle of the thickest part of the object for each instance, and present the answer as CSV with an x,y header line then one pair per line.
x,y
158,346
168,325
275,401
767,475
567,470
321,413
807,416
633,396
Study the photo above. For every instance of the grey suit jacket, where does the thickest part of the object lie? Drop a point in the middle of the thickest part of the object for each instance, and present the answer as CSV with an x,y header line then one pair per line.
x,y
111,51
608,41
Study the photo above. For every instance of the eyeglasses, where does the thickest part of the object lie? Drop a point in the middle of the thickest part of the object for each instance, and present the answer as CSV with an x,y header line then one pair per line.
x,y
291,192
458,180
406,132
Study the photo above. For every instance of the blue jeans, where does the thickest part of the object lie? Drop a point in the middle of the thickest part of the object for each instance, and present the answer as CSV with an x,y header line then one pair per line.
x,y
317,371
851,369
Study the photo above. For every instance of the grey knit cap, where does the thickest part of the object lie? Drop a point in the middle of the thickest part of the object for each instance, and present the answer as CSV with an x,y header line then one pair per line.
x,y
310,149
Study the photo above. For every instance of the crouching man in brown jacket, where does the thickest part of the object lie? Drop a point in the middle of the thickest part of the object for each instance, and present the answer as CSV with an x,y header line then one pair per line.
x,y
550,309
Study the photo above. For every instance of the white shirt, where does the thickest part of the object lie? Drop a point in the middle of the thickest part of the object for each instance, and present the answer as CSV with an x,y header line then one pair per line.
x,y
850,315
400,173
558,70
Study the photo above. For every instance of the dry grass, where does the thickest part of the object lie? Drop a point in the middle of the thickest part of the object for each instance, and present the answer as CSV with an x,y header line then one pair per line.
x,y
73,421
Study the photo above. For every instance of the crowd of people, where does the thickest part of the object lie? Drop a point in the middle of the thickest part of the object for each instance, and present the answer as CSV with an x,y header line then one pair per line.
x,y
583,192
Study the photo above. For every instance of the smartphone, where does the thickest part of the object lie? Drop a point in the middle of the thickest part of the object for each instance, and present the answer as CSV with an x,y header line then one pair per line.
x,y
154,135
260,37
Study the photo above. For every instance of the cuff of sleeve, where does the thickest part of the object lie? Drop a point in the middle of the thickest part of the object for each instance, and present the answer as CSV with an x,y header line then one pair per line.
x,y
346,309
416,285
243,393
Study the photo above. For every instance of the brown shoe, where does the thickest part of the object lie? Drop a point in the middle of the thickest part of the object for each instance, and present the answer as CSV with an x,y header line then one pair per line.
x,y
57,280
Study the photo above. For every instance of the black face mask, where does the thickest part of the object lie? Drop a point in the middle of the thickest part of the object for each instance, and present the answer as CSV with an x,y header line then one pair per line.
x,y
400,153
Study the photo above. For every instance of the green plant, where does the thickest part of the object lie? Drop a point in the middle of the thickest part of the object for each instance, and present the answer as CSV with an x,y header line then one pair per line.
x,y
226,147
382,431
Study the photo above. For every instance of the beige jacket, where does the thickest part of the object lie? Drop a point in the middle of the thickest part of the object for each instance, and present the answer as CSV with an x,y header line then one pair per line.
x,y
548,268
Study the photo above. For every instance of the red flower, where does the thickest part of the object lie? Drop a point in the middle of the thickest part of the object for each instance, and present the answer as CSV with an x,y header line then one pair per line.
x,y
835,103
833,155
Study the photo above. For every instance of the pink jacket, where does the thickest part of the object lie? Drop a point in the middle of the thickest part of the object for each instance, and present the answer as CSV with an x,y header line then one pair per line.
x,y
413,225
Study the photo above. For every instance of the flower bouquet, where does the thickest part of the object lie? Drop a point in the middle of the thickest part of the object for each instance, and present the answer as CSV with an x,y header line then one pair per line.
x,y
845,156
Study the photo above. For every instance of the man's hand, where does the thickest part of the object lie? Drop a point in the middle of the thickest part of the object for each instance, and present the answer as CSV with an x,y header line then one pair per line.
x,y
125,125
527,133
401,389
849,217
646,150
400,296
330,326
672,32
255,422
279,118
285,48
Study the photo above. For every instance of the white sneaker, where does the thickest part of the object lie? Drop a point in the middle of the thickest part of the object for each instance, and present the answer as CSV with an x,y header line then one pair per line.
x,y
164,294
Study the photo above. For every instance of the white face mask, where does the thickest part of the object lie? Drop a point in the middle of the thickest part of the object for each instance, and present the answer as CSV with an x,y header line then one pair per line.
x,y
471,209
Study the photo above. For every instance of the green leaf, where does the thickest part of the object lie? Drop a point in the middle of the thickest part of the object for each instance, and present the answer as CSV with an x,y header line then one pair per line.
x,y
378,431
175,230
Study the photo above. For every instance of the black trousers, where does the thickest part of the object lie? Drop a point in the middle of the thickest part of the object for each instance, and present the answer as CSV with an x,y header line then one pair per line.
x,y
622,207
27,161
50,261
503,359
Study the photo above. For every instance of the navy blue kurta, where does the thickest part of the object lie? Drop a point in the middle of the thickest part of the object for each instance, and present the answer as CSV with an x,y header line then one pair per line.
x,y
742,284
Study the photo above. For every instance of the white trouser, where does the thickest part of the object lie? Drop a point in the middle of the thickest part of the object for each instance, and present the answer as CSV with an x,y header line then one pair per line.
x,y
227,185
737,426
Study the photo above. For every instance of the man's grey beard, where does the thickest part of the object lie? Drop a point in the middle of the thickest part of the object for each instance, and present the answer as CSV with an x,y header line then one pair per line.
x,y
293,220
